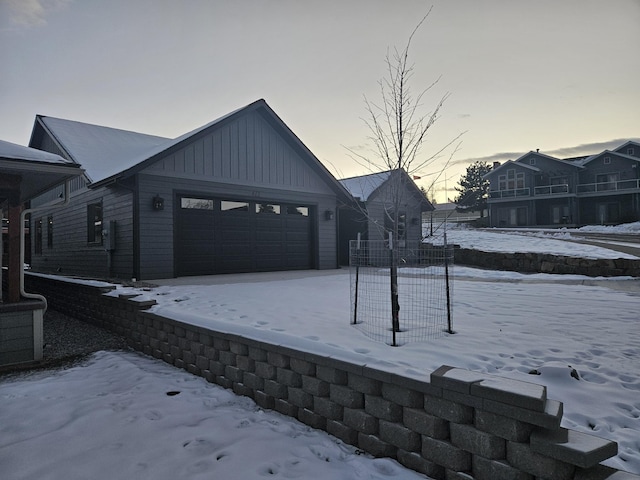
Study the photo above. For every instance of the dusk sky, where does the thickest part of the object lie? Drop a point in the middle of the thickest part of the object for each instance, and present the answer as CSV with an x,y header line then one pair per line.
x,y
561,76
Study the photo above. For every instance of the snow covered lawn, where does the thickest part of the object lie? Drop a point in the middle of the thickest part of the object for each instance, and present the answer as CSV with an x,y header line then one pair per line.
x,y
113,418
122,415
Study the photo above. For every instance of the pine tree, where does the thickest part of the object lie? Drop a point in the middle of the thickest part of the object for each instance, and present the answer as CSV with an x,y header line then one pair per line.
x,y
473,188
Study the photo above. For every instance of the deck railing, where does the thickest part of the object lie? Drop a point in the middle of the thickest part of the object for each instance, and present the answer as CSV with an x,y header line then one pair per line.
x,y
612,186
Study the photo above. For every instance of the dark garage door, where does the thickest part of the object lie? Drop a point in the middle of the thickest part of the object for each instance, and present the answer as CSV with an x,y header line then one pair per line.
x,y
228,236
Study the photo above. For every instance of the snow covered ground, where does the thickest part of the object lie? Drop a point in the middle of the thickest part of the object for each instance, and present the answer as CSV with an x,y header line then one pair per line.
x,y
112,417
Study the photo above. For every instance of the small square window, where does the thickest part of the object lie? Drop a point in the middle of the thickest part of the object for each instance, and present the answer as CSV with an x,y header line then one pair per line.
x,y
532,161
607,160
630,151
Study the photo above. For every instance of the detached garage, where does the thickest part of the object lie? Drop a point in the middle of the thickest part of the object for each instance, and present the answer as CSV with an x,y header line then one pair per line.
x,y
240,194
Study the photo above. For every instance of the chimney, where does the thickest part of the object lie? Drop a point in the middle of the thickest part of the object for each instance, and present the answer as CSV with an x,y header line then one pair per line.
x,y
496,165
537,150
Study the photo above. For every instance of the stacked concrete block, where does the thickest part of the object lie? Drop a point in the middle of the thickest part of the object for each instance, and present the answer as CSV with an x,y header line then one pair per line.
x,y
448,424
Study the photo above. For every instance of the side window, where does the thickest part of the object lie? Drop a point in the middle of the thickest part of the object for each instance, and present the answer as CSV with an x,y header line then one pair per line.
x,y
37,239
94,223
50,231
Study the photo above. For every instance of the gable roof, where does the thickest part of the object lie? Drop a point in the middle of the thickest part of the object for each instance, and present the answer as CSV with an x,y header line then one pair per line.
x,y
609,152
109,154
102,151
37,170
511,163
627,144
363,187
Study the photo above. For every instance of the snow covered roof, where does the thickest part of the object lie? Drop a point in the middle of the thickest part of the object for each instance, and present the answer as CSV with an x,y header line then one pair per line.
x,y
445,207
363,186
18,152
36,170
102,151
108,153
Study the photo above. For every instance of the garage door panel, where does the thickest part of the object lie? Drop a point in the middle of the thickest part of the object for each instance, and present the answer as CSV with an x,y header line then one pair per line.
x,y
241,240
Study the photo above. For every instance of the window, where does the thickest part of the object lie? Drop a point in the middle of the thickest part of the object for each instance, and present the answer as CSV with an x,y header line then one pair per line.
x,y
230,206
607,160
606,181
50,231
532,161
37,241
293,210
630,151
502,182
268,208
94,223
402,226
514,180
196,203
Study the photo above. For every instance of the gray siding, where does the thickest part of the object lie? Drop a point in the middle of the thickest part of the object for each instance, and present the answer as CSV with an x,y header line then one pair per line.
x,y
386,197
70,253
16,337
156,227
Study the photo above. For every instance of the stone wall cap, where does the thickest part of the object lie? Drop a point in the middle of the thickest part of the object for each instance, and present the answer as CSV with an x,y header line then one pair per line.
x,y
512,392
577,448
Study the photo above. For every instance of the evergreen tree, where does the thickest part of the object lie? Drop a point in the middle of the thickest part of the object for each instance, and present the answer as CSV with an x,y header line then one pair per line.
x,y
473,189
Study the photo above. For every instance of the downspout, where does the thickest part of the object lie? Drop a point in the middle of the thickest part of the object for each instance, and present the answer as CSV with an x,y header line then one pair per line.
x,y
64,203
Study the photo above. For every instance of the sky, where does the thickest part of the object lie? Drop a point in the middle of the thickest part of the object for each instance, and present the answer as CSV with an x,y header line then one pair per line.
x,y
520,75
552,324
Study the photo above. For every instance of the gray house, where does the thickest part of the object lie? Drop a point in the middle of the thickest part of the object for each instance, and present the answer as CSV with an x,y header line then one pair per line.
x,y
377,197
240,194
540,190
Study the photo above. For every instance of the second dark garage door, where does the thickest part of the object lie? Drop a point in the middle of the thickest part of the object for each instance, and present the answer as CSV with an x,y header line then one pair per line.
x,y
228,236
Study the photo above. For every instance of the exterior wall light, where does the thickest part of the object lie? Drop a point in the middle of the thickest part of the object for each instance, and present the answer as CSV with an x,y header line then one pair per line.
x,y
158,203
328,215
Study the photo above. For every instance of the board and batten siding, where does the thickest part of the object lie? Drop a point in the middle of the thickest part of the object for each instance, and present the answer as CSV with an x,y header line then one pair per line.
x,y
246,160
247,151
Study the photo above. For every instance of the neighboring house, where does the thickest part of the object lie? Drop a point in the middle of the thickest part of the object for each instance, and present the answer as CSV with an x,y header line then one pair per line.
x,y
24,173
377,196
448,212
240,194
540,190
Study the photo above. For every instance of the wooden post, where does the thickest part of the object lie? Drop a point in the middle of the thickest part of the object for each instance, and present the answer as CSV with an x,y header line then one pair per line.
x,y
13,276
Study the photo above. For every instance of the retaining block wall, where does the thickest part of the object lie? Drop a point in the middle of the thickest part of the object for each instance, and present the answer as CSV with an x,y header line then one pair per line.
x,y
547,263
452,424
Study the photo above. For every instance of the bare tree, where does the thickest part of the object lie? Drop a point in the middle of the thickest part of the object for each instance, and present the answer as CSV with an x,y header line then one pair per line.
x,y
398,130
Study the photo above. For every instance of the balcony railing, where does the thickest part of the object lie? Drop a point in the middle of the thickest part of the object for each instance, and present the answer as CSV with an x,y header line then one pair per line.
x,y
516,192
609,186
551,189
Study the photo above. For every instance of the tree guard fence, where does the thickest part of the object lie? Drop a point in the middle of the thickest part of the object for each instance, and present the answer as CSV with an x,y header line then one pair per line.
x,y
423,284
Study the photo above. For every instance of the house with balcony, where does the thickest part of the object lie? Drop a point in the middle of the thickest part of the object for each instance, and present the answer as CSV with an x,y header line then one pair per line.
x,y
544,191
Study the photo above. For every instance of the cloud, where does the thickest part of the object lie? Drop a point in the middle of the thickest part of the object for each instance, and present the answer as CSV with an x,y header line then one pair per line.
x,y
565,152
33,13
